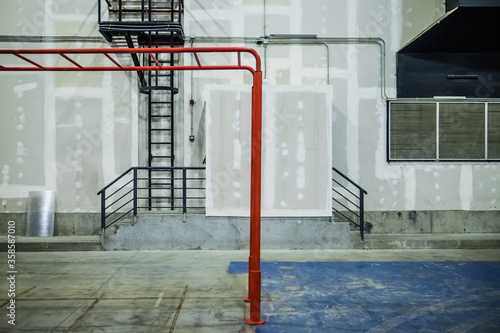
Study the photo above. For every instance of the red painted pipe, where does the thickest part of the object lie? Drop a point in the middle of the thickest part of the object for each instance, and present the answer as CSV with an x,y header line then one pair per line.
x,y
103,51
254,276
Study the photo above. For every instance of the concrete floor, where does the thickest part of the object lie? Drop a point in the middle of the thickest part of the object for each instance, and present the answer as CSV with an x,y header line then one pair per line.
x,y
303,291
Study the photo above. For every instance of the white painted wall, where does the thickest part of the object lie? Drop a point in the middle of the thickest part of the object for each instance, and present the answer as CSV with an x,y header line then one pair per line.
x,y
75,132
359,111
296,133
66,132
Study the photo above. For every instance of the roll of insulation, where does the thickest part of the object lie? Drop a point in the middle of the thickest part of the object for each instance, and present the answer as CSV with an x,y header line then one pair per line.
x,y
41,207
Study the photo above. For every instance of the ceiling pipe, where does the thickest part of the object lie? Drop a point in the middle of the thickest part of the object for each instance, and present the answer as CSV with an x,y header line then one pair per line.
x,y
50,39
276,39
298,39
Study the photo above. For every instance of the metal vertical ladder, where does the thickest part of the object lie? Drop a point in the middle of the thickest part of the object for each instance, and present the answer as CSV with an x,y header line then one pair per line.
x,y
161,91
154,23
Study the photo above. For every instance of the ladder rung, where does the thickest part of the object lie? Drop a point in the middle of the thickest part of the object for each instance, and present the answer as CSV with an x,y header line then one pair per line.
x,y
160,88
161,129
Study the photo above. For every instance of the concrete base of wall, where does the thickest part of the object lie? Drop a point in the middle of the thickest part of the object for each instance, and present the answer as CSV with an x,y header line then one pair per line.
x,y
171,232
57,243
198,232
65,224
432,241
434,222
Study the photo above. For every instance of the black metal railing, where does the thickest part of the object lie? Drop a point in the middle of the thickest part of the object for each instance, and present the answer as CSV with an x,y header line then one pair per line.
x,y
141,10
181,188
348,201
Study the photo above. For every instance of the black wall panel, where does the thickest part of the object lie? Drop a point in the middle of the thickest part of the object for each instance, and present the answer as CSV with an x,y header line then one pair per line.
x,y
452,4
459,55
473,75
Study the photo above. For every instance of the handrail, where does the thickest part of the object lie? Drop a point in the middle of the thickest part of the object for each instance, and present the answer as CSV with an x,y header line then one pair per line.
x,y
114,181
130,196
349,180
142,8
334,190
360,223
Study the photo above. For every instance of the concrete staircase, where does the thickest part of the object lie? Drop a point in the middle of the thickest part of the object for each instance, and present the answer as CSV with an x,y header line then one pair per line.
x,y
158,231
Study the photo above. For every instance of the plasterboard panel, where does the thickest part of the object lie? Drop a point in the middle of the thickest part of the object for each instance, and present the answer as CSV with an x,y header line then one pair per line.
x,y
296,155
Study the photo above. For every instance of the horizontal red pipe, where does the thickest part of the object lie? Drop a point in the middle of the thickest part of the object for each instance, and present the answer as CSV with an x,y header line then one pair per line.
x,y
137,51
123,68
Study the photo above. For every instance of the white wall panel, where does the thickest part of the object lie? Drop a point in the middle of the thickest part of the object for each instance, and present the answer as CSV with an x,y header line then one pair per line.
x,y
296,154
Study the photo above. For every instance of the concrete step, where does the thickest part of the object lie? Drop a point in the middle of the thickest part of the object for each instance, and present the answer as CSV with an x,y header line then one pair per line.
x,y
432,241
56,243
356,243
158,231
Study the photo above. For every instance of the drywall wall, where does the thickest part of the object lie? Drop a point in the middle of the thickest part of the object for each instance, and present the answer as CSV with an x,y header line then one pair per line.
x,y
296,133
73,133
352,71
71,139
66,132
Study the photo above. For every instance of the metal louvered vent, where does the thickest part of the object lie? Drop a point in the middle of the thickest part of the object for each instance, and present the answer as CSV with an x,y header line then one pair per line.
x,y
444,130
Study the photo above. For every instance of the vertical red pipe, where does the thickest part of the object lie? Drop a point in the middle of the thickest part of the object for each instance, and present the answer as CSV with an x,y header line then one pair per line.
x,y
254,276
252,204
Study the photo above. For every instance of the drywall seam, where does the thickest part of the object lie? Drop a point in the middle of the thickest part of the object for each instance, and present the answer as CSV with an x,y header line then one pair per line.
x,y
135,118
49,111
466,187
410,187
107,129
352,130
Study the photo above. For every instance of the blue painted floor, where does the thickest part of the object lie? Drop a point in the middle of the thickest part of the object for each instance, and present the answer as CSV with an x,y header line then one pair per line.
x,y
378,296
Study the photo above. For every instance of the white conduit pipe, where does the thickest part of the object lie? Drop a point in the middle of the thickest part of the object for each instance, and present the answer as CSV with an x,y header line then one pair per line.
x,y
268,40
309,40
